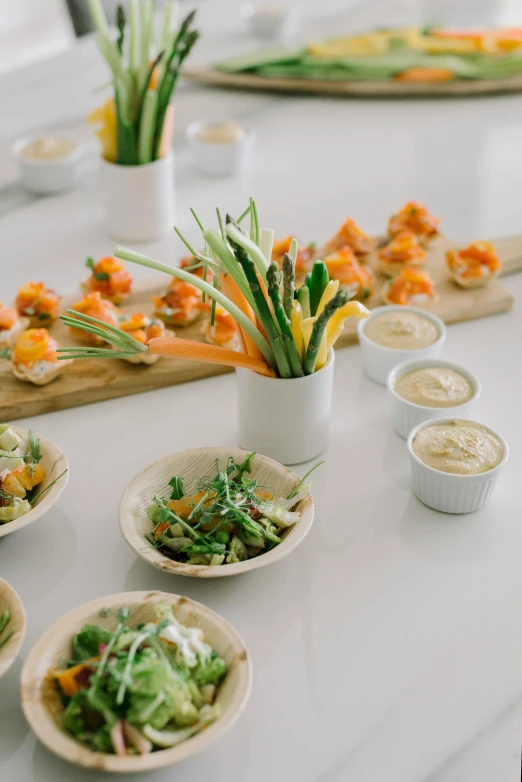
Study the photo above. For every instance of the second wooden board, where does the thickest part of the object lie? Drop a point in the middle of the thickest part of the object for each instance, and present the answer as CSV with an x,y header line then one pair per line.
x,y
92,381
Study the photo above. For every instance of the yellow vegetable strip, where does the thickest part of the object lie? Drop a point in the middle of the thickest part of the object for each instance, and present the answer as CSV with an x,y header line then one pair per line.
x,y
336,324
328,294
295,323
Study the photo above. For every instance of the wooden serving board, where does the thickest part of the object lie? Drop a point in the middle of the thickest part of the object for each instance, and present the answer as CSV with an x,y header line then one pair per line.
x,y
92,381
371,89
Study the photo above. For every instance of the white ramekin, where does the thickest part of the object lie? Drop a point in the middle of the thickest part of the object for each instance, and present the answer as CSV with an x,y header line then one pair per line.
x,y
447,492
48,176
407,415
378,361
219,159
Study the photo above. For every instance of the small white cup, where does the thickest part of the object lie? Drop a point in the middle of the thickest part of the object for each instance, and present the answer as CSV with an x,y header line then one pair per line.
x,y
287,420
219,159
138,201
269,20
407,415
378,361
445,491
47,176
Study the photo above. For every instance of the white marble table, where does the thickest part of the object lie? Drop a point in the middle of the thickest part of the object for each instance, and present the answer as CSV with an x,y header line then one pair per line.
x,y
389,645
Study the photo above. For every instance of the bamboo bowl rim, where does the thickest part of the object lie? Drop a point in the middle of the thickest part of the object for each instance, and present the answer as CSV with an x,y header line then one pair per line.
x,y
133,517
55,458
38,691
9,597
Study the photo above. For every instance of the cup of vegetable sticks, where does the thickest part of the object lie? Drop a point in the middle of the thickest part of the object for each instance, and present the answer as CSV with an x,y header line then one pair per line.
x,y
138,202
287,420
135,125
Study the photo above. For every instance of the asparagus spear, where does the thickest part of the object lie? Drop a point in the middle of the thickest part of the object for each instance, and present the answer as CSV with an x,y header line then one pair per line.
x,y
273,279
318,282
310,359
288,284
303,297
272,332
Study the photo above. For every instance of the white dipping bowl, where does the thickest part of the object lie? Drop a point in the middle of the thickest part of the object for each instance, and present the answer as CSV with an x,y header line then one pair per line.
x,y
378,361
219,159
268,20
447,492
407,415
47,176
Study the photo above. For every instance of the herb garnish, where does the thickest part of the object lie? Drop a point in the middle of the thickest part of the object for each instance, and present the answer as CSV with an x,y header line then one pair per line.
x,y
100,276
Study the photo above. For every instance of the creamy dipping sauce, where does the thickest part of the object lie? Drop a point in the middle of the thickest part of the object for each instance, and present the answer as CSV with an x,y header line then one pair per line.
x,y
434,387
221,133
460,447
402,330
48,149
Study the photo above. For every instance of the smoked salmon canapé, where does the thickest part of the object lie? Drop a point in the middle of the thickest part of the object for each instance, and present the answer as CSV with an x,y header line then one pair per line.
x,y
304,256
38,303
415,218
413,287
95,306
11,326
402,252
473,266
344,266
181,305
109,277
34,358
349,235
144,328
223,332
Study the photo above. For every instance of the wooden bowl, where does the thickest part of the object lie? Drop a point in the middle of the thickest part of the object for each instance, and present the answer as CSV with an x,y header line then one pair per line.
x,y
54,463
10,599
41,701
192,466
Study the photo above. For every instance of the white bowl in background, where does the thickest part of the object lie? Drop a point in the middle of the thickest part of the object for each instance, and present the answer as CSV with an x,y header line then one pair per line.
x,y
218,158
270,20
407,415
378,360
447,492
46,176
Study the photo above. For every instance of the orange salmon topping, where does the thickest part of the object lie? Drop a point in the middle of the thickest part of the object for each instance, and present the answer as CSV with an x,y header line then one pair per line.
x,y
415,218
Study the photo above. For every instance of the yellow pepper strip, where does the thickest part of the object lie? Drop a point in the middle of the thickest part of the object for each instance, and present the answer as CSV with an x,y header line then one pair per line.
x,y
306,326
328,294
105,118
297,333
336,322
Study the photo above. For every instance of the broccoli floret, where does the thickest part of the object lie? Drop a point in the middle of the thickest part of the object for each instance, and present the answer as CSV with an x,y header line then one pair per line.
x,y
86,643
211,672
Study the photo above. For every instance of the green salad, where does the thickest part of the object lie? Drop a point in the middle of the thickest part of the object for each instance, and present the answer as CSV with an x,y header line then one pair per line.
x,y
228,518
5,632
139,689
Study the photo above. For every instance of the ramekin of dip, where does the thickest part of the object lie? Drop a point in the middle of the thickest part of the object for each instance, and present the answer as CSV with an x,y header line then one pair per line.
x,y
220,148
47,164
430,388
455,463
394,334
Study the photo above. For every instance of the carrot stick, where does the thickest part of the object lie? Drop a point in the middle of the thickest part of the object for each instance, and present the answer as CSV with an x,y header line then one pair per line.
x,y
223,282
239,300
199,351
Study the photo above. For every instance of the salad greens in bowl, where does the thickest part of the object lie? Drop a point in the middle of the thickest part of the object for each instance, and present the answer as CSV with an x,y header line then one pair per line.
x,y
212,512
135,681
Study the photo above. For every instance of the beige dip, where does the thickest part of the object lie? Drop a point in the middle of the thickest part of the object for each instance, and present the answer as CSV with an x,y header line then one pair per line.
x,y
460,447
434,387
48,149
402,330
221,133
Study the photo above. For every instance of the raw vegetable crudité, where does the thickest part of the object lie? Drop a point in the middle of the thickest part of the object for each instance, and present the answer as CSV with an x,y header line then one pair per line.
x,y
227,519
20,473
284,329
134,690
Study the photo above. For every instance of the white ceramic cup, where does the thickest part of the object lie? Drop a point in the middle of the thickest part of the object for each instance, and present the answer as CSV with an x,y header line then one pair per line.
x,y
47,176
445,491
138,201
287,420
407,415
219,159
378,361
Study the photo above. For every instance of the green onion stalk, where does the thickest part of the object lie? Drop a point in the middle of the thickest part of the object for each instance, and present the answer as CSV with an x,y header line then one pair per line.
x,y
133,58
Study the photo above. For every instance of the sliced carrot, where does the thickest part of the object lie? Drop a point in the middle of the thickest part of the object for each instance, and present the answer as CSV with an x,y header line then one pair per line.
x,y
425,74
76,678
199,351
237,298
224,282
161,528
